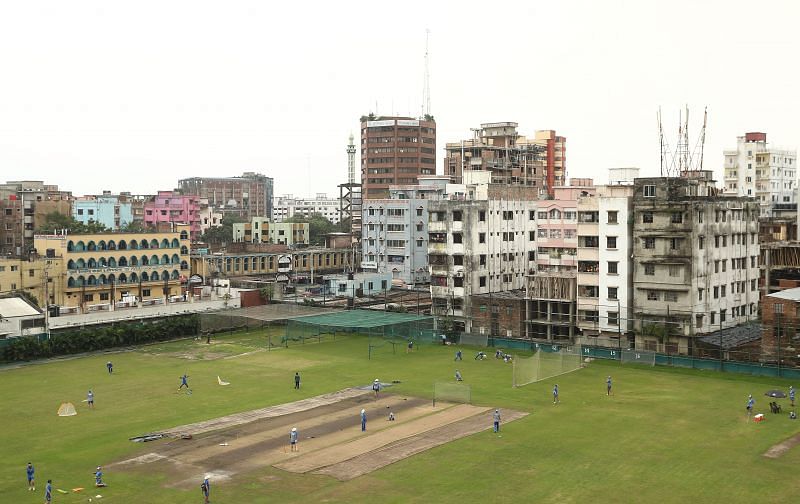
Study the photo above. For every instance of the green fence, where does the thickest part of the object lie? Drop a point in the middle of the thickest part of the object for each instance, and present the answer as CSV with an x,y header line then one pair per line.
x,y
682,361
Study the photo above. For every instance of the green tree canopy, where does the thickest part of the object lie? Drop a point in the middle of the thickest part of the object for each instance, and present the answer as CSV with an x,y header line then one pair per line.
x,y
56,221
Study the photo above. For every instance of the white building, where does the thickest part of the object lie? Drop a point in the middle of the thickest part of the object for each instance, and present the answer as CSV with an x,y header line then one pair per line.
x,y
20,318
605,264
481,239
287,206
209,216
395,230
757,170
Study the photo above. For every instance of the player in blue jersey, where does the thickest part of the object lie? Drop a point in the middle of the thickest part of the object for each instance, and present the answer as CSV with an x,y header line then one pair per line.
x,y
750,403
555,394
31,483
184,381
98,477
458,355
48,492
293,439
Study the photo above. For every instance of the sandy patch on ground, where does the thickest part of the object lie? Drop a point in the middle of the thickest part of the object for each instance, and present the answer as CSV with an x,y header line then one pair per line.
x,y
783,447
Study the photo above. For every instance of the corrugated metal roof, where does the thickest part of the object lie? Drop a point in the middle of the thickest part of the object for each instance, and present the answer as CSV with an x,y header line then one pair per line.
x,y
16,307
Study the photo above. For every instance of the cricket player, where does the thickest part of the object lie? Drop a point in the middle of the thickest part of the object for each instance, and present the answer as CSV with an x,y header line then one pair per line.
x,y
496,418
297,381
293,439
458,355
184,381
98,477
110,367
750,403
458,375
608,385
376,387
48,492
791,395
31,483
555,394
363,420
90,399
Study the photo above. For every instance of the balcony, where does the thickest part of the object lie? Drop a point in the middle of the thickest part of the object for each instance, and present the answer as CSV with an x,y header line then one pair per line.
x,y
437,227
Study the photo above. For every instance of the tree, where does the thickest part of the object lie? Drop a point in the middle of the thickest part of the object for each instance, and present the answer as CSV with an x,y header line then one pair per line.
x,y
318,227
221,235
27,296
57,221
133,227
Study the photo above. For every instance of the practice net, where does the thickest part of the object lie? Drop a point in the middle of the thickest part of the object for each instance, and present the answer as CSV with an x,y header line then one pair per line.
x,y
638,357
479,340
452,392
543,365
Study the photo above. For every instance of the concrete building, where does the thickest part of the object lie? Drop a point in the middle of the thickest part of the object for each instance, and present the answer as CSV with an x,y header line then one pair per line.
x,y
172,207
395,151
20,318
481,239
247,196
104,271
695,260
500,314
35,275
605,265
358,284
114,211
287,206
24,206
209,216
261,230
395,231
758,170
512,158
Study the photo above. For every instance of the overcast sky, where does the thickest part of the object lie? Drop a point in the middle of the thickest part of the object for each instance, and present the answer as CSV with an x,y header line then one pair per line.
x,y
137,95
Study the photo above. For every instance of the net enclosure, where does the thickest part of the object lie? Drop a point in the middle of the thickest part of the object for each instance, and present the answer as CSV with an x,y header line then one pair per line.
x,y
638,357
546,364
382,328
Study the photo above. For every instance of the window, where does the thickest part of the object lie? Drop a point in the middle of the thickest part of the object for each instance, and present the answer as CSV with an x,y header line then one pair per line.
x,y
458,238
699,294
716,292
419,212
458,281
612,217
613,318
531,236
647,217
701,242
674,270
611,242
652,295
542,215
700,216
481,237
670,296
724,240
716,241
145,292
722,290
675,243
649,243
482,260
612,267
724,265
676,218
508,214
30,272
531,215
482,281
481,216
713,317
716,266
104,296
458,260
88,297
722,314
649,191
752,285
383,284
612,293
457,216
649,269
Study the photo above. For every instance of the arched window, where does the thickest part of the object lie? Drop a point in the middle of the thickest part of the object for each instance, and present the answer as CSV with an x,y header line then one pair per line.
x,y
123,278
80,264
134,278
102,280
112,263
175,243
102,262
134,245
91,246
164,243
184,250
112,245
175,275
153,260
71,264
143,244
184,235
70,246
112,279
145,261
123,262
80,281
71,282
175,259
165,275
184,265
101,245
165,259
145,278
80,246
123,245
91,280
555,214
92,263
153,243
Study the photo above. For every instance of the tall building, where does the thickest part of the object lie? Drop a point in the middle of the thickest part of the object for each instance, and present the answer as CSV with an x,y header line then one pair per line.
x,y
24,206
766,173
696,256
114,211
512,158
247,196
481,239
172,207
395,151
395,231
605,265
105,271
287,206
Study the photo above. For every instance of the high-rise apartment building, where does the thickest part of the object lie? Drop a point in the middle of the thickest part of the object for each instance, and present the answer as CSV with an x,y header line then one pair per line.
x,y
696,256
395,151
287,206
512,158
247,196
766,173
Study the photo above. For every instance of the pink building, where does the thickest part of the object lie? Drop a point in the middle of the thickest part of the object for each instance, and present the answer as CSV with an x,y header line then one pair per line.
x,y
557,227
172,207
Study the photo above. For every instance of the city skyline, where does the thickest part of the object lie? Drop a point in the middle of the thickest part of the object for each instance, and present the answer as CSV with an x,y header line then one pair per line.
x,y
110,97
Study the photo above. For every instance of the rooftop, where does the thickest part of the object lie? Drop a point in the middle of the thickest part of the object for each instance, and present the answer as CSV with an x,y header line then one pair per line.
x,y
16,307
789,294
734,336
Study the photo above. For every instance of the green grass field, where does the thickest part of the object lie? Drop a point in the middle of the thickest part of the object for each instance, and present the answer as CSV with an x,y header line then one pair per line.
x,y
667,435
